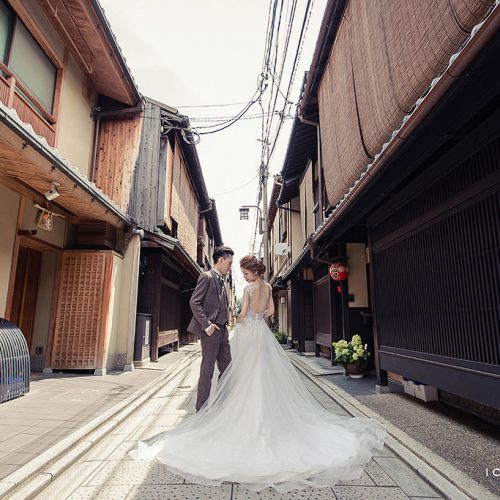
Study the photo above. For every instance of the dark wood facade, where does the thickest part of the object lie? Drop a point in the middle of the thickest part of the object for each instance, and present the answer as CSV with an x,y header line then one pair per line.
x,y
300,314
431,222
436,274
423,199
170,201
163,294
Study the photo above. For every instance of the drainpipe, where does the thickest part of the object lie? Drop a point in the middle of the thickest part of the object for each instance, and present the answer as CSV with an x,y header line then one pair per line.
x,y
320,163
94,148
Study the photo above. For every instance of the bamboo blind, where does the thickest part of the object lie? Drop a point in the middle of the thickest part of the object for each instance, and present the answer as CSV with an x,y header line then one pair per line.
x,y
82,310
384,58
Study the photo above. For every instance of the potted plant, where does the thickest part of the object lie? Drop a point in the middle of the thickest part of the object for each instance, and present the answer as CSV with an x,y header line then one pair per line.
x,y
352,355
280,337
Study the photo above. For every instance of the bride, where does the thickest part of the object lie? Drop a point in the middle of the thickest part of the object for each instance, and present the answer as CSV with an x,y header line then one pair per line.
x,y
261,427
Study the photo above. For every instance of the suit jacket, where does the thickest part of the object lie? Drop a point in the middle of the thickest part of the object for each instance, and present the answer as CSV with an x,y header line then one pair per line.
x,y
205,303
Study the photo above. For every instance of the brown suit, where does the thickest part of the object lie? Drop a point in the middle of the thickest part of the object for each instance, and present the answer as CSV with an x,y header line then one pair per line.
x,y
209,306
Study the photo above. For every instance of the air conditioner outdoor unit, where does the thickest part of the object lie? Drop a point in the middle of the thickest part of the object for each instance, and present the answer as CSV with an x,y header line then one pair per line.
x,y
281,249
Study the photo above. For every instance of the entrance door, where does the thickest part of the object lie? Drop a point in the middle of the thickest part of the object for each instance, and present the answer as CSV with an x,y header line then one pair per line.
x,y
25,291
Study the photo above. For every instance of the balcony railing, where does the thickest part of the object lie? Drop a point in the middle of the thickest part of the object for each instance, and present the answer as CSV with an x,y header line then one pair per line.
x,y
29,109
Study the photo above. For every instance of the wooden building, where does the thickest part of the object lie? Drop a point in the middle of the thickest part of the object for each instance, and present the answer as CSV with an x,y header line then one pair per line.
x,y
65,273
409,161
150,166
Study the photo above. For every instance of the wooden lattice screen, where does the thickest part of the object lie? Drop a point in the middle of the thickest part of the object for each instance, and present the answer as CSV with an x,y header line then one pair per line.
x,y
83,304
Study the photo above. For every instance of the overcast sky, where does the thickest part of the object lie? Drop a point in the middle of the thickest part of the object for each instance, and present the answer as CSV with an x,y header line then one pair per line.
x,y
206,52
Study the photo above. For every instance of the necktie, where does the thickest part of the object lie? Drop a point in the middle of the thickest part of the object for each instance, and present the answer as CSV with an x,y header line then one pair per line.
x,y
222,285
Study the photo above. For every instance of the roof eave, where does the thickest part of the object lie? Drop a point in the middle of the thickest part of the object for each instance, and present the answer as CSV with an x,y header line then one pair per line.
x,y
116,50
329,27
41,147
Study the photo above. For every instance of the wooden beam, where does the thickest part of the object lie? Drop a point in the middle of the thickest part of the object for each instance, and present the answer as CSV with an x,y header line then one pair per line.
x,y
156,308
13,266
36,244
53,310
103,336
32,194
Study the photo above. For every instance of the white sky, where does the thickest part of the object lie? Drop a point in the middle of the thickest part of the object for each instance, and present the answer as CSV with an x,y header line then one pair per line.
x,y
200,52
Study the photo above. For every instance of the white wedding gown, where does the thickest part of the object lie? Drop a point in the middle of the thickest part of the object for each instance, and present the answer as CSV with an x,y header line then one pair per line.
x,y
261,427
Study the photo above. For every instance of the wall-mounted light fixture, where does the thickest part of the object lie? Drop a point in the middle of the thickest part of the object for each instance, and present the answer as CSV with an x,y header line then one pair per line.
x,y
53,192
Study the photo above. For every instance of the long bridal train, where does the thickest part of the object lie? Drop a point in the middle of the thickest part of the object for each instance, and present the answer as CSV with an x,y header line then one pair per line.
x,y
262,428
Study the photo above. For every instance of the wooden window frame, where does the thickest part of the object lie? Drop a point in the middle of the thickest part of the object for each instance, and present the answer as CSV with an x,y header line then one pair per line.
x,y
21,14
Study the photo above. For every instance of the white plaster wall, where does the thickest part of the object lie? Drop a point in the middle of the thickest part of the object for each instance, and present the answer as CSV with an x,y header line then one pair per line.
x,y
123,305
75,126
358,284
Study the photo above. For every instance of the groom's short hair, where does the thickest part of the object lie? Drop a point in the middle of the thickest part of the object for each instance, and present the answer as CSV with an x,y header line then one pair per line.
x,y
222,251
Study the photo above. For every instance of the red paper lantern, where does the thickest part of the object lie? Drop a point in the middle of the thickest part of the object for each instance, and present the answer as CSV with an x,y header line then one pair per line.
x,y
339,271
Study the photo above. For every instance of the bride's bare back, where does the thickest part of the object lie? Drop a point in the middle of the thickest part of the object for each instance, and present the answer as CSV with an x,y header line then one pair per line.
x,y
257,299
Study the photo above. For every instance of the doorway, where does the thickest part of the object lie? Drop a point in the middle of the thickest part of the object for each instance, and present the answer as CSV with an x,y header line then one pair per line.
x,y
26,291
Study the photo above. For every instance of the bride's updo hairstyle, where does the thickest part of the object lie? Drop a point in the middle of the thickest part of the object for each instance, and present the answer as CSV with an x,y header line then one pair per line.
x,y
253,264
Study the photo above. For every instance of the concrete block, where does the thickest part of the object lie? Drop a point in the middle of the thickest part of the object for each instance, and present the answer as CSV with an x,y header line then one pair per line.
x,y
426,392
409,387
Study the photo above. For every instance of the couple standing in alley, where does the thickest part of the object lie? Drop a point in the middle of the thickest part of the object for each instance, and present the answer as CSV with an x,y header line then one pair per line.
x,y
260,427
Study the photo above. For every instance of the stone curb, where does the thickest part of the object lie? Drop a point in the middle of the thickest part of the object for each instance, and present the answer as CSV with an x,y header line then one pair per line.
x,y
33,477
444,477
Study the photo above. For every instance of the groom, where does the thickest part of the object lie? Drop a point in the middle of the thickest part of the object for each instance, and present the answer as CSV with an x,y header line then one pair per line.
x,y
209,305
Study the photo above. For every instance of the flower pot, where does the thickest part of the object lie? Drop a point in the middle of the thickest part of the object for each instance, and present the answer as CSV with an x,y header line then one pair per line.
x,y
354,371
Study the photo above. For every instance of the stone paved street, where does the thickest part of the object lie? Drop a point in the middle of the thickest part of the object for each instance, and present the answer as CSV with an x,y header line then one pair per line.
x,y
58,404
467,442
107,472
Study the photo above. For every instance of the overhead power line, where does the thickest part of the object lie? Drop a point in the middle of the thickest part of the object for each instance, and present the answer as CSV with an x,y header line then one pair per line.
x,y
210,105
226,118
237,188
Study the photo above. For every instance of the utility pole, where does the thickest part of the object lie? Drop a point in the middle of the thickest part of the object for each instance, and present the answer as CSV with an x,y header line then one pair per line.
x,y
262,214
264,174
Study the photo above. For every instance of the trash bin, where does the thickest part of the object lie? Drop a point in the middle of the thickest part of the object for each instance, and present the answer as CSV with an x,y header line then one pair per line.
x,y
142,337
366,318
14,362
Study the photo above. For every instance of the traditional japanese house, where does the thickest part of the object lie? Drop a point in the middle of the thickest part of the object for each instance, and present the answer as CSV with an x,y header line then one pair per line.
x,y
298,208
68,253
159,179
410,160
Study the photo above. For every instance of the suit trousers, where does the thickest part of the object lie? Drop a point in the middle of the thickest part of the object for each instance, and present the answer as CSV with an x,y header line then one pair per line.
x,y
213,348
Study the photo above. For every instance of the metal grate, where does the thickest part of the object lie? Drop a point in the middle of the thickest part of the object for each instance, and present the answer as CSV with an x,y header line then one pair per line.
x,y
14,362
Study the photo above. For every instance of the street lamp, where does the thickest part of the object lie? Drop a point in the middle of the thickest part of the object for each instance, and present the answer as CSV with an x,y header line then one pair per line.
x,y
244,213
263,229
